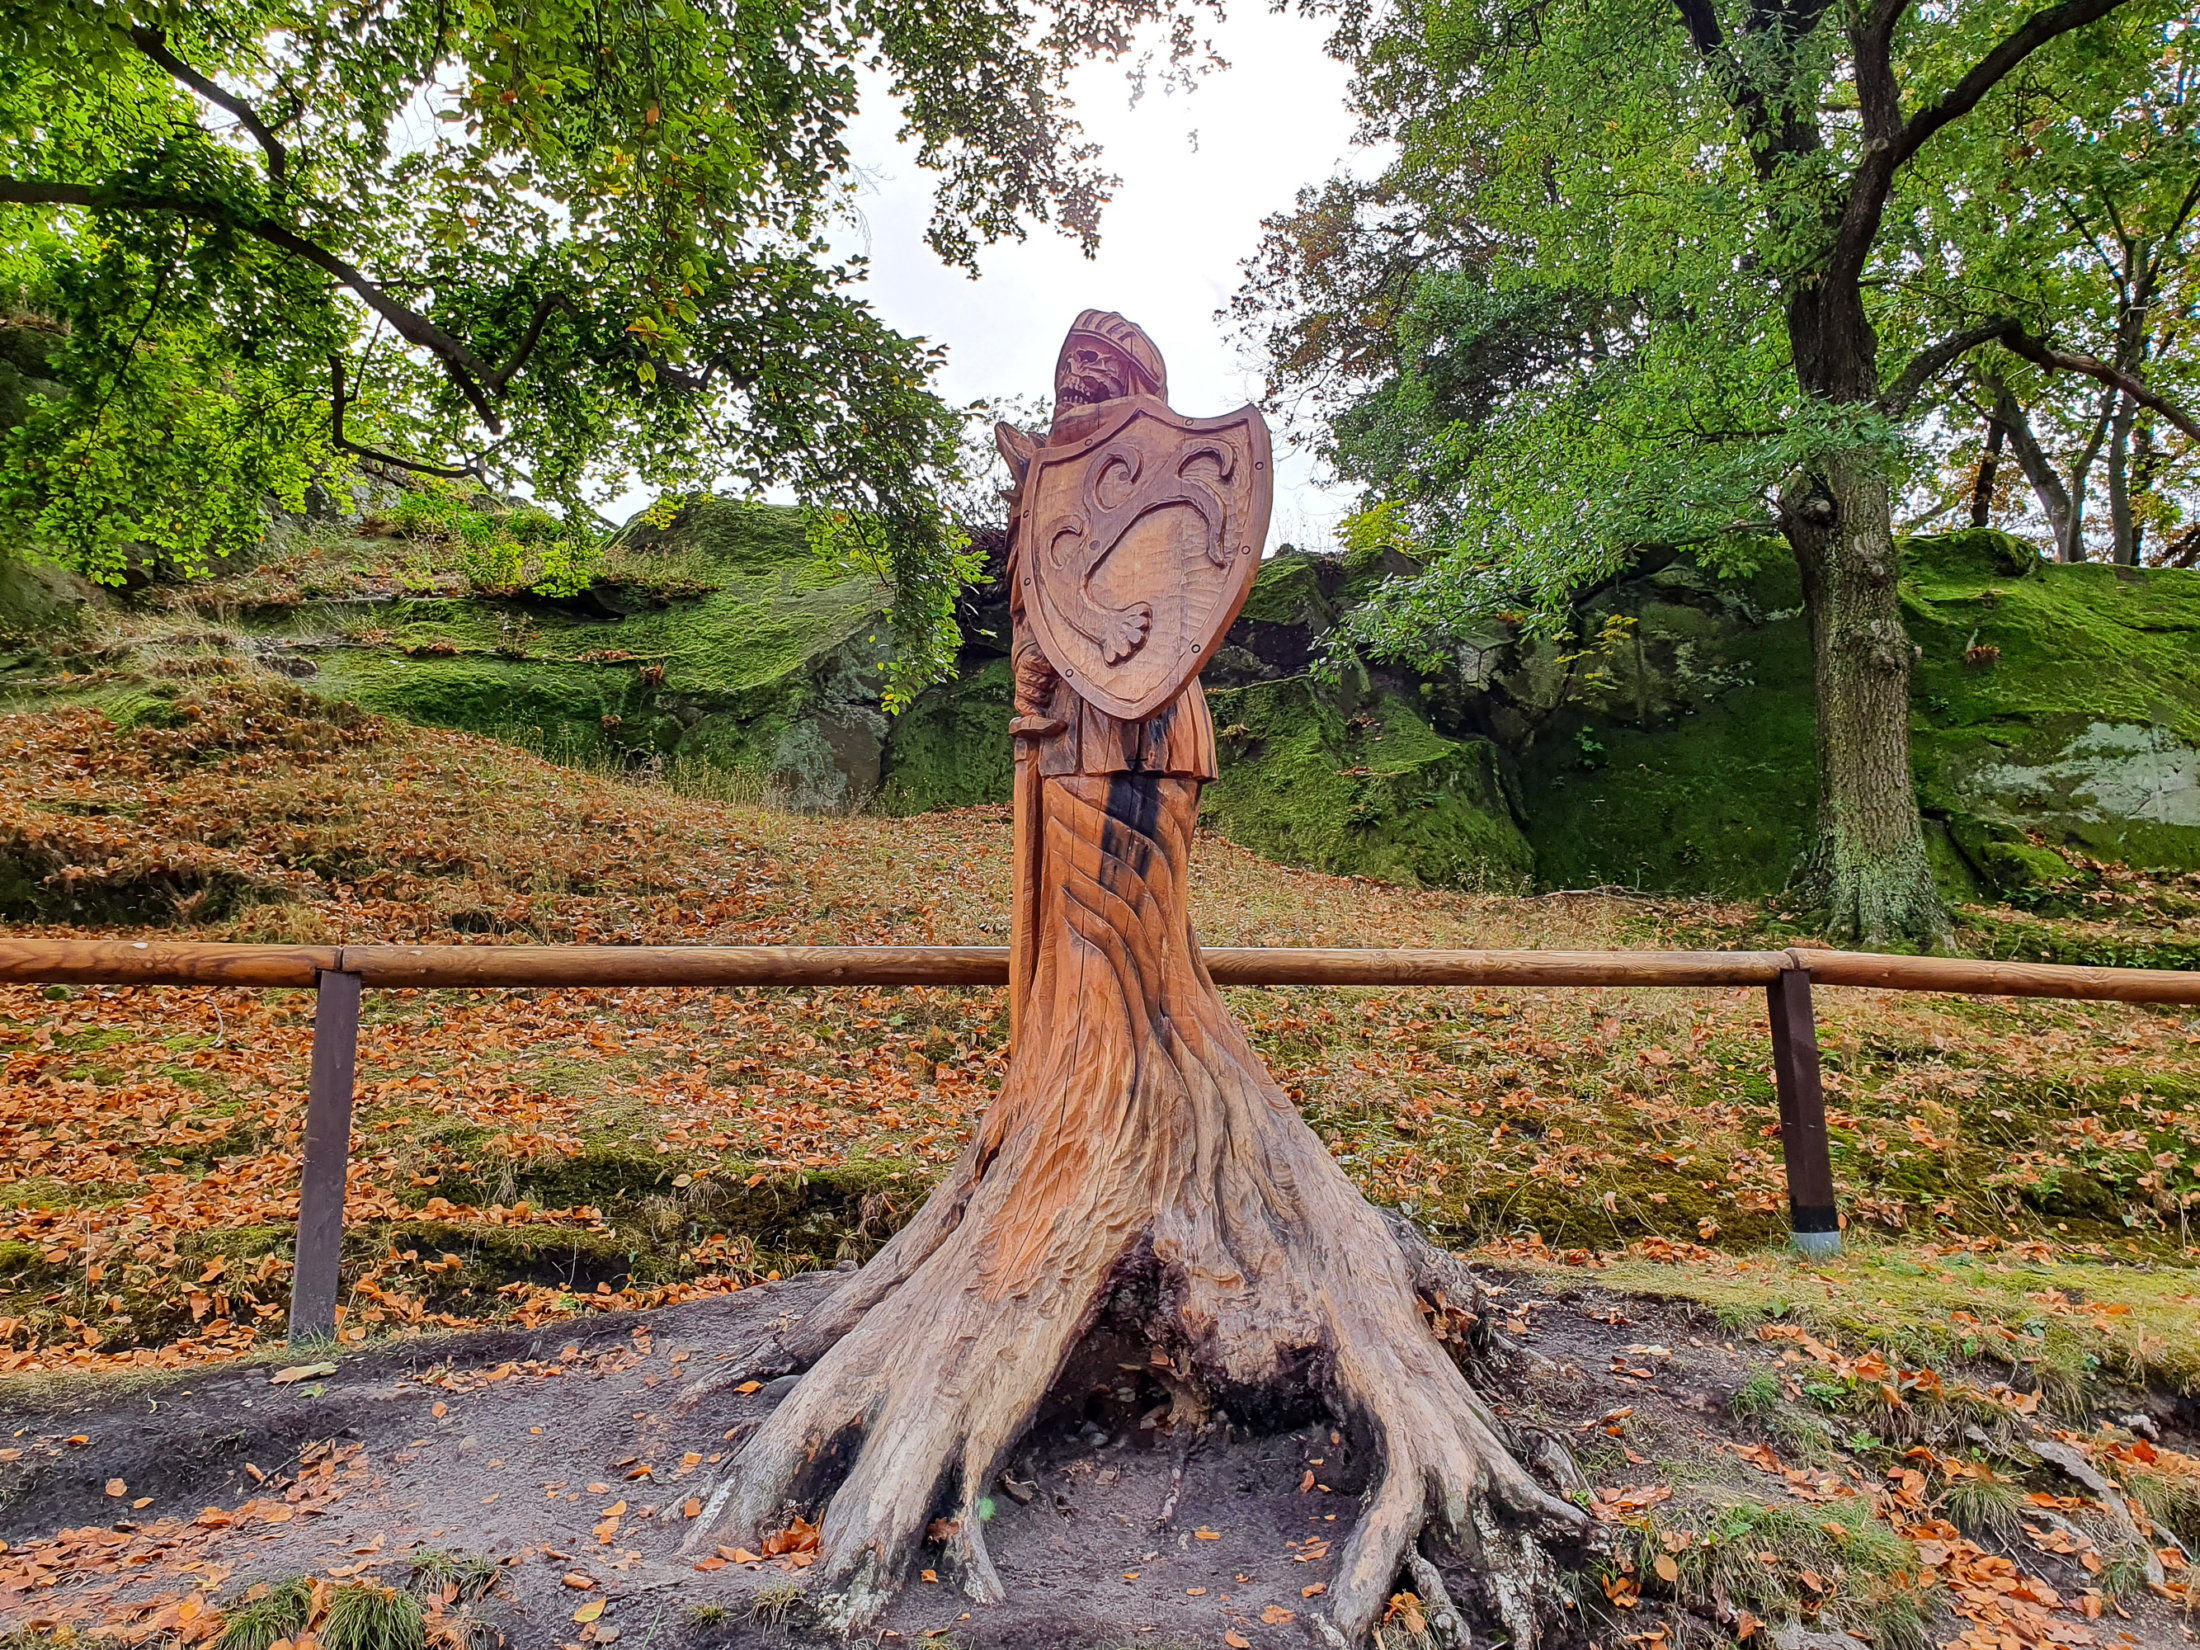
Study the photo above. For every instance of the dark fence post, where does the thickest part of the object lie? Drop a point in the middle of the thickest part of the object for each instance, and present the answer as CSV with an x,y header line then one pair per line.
x,y
327,1157
1813,1216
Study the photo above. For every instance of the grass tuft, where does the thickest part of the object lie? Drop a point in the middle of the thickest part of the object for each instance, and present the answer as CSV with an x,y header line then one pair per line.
x,y
2124,1569
279,1612
1753,1555
466,1575
778,1605
1758,1395
2171,1500
1985,1508
368,1616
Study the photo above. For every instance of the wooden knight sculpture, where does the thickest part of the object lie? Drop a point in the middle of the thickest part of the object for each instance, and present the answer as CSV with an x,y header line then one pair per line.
x,y
1142,1184
1134,537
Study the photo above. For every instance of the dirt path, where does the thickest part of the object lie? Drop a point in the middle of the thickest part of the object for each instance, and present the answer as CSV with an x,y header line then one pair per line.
x,y
554,1452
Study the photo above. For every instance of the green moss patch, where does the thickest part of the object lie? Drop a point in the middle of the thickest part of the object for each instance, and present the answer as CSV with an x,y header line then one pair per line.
x,y
1695,770
1310,777
951,749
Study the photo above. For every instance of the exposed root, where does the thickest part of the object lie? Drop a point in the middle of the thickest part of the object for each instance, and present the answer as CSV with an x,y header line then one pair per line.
x,y
1445,1624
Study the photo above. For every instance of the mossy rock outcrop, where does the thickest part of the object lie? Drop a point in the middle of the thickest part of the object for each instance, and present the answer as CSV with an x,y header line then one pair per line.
x,y
774,667
1685,762
952,748
1669,747
1349,777
37,596
2055,715
2061,703
1360,783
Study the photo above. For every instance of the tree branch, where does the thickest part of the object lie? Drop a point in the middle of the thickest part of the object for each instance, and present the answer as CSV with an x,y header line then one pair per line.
x,y
1709,40
2040,353
154,44
2010,334
339,400
2020,43
1771,137
544,308
1889,141
1933,360
474,380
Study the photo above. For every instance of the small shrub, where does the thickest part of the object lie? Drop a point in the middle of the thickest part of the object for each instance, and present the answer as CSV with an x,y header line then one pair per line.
x,y
500,550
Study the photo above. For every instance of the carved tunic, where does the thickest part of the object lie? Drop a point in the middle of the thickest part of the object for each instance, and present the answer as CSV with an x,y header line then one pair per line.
x,y
1178,740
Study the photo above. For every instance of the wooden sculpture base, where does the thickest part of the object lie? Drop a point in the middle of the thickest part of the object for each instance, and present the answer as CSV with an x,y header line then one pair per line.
x,y
1137,1135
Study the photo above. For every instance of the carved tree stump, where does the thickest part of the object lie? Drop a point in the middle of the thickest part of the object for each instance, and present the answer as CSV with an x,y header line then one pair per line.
x,y
1138,1135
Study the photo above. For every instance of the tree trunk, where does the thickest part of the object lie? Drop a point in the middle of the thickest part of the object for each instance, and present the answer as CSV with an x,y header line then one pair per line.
x,y
1989,465
1140,1171
1868,869
2072,547
2125,551
2047,487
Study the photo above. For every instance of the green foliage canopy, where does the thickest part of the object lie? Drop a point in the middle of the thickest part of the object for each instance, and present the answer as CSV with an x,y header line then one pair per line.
x,y
1573,316
558,243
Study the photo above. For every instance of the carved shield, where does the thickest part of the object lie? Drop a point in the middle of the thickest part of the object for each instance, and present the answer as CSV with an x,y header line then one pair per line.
x,y
1137,546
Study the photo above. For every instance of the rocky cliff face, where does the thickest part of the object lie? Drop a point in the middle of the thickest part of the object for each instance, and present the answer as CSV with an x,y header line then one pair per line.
x,y
766,662
2057,718
2056,714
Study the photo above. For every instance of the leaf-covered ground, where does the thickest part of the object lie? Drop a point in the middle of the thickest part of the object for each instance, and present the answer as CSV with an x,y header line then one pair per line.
x,y
535,1154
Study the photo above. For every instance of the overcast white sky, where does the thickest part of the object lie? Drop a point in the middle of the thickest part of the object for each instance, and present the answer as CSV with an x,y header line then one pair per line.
x,y
1199,172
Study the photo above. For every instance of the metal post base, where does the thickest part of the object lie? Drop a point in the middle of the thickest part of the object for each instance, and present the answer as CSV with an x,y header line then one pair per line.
x,y
1817,1245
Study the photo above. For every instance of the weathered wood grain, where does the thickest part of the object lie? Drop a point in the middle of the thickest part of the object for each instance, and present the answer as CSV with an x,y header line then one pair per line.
x,y
1139,1163
315,1280
676,965
160,962
1971,977
1293,965
181,962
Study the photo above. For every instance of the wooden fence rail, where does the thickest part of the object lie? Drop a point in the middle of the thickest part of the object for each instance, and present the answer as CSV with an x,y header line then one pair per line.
x,y
338,973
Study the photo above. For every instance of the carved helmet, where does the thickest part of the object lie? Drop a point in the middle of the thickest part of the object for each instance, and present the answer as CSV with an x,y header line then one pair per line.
x,y
1105,353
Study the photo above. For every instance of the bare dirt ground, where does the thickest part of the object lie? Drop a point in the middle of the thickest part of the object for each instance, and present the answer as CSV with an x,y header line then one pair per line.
x,y
558,1453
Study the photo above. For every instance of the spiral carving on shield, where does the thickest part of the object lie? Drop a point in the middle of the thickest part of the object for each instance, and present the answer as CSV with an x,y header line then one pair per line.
x,y
1141,542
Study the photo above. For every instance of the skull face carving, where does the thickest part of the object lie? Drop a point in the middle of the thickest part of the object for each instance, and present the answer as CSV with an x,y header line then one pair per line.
x,y
1105,358
1088,375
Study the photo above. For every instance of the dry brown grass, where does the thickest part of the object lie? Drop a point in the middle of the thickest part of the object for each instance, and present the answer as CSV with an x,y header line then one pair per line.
x,y
150,1131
